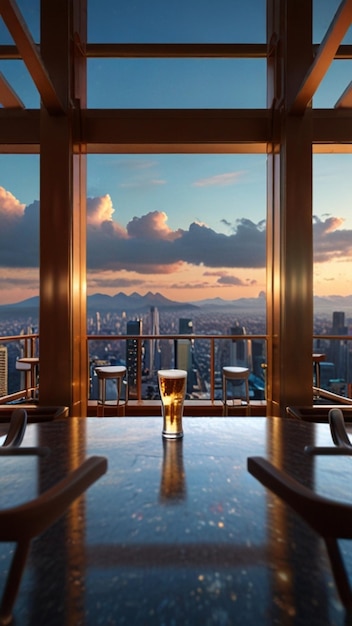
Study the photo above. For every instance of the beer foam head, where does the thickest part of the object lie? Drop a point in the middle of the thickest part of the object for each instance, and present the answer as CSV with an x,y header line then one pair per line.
x,y
172,373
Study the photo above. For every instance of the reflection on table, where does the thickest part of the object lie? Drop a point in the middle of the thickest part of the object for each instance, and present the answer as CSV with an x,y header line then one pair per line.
x,y
179,535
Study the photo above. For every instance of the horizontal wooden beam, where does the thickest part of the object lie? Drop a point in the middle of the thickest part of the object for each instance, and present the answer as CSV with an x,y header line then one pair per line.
x,y
173,131
10,52
113,128
175,50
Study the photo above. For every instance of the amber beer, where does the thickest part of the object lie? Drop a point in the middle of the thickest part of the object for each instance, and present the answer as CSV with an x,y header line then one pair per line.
x,y
172,386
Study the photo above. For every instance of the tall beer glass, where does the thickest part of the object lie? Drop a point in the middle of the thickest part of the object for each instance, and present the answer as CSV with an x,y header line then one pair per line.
x,y
172,386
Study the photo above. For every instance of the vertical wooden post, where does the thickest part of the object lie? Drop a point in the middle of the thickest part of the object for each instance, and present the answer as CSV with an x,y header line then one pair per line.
x,y
289,215
63,345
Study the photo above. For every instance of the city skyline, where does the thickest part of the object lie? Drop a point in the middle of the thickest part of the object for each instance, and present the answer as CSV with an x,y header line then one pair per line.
x,y
190,226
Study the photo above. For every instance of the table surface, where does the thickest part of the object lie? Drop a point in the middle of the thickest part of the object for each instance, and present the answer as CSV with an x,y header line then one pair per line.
x,y
176,533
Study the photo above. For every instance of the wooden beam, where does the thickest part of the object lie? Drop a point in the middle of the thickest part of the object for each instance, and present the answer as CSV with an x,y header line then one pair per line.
x,y
325,55
170,129
175,50
30,55
8,97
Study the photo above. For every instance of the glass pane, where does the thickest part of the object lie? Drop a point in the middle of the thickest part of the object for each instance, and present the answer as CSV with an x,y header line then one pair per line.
x,y
191,227
21,82
208,21
19,233
333,84
323,14
332,288
183,236
176,83
31,14
332,199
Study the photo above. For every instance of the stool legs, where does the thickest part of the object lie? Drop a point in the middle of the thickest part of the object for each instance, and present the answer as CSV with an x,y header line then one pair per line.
x,y
225,410
102,402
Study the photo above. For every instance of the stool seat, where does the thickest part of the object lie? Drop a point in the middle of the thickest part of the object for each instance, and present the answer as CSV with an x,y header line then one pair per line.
x,y
112,372
235,376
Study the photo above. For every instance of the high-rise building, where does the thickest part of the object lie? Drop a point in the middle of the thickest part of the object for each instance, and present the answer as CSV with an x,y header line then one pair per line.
x,y
153,356
185,326
134,327
3,371
184,349
240,350
97,323
339,354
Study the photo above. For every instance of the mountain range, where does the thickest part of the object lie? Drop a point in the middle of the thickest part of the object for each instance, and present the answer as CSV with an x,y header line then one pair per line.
x,y
136,303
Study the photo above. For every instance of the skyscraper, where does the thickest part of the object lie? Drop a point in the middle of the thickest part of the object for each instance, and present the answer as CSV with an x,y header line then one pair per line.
x,y
240,350
134,327
184,351
3,371
153,347
339,350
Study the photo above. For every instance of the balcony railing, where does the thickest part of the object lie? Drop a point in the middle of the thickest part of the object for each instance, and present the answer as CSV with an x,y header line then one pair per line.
x,y
204,355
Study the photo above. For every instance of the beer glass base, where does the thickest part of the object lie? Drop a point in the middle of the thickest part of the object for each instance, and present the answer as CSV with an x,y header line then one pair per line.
x,y
167,435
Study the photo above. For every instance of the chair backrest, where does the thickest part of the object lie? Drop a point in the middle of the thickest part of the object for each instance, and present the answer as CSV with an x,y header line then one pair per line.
x,y
18,424
22,523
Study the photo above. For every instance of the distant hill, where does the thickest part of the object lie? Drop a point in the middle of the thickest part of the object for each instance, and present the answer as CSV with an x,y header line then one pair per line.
x,y
136,303
241,304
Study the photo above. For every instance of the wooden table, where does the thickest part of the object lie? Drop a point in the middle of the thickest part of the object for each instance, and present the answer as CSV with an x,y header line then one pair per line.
x,y
177,532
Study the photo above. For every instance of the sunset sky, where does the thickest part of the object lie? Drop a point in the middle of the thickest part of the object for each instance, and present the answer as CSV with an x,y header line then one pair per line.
x,y
188,226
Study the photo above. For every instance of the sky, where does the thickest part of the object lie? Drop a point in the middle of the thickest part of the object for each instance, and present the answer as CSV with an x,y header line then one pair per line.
x,y
187,226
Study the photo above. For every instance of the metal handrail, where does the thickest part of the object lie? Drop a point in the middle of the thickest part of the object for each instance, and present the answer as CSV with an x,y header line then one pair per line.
x,y
174,337
30,343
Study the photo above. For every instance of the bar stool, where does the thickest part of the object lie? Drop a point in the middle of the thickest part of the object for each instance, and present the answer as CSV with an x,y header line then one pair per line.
x,y
317,359
234,377
29,365
112,372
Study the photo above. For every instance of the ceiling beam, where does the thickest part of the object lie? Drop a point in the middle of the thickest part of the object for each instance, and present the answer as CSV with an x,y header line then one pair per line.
x,y
168,131
30,55
169,128
325,55
175,50
8,97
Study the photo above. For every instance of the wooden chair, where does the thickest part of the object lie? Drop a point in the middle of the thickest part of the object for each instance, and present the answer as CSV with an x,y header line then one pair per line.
x,y
22,523
14,437
18,425
332,520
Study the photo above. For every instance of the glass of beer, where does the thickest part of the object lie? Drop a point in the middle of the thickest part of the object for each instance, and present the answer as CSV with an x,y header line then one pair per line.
x,y
172,386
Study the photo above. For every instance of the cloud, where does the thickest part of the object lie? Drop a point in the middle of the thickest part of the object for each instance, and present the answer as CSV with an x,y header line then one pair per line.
x,y
11,210
331,242
152,226
104,280
143,184
220,180
99,210
234,280
19,233
148,244
136,164
227,279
